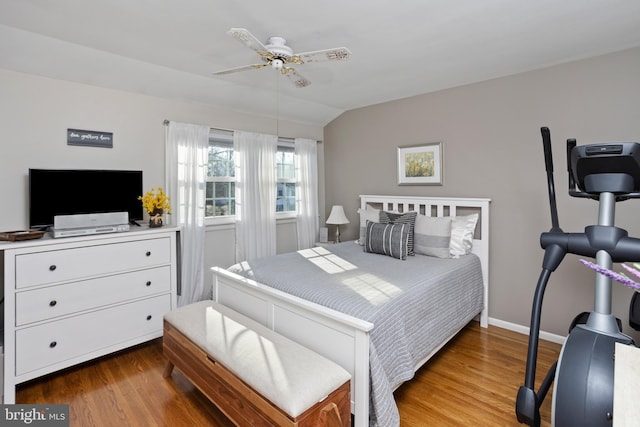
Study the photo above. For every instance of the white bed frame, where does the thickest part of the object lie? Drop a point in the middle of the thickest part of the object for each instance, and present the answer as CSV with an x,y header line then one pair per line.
x,y
337,336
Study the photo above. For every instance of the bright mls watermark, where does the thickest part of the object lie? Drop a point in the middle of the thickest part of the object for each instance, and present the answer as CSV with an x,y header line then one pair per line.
x,y
34,415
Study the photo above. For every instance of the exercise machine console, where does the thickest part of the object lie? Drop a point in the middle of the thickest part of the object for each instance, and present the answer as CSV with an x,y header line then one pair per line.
x,y
583,375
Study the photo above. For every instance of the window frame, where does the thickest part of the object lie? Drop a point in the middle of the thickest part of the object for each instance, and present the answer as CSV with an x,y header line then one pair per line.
x,y
287,145
225,138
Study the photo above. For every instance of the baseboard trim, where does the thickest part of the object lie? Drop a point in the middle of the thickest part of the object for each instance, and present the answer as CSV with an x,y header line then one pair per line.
x,y
559,339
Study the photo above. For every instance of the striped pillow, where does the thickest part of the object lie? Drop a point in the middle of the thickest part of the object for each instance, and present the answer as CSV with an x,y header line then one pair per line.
x,y
432,236
408,218
387,239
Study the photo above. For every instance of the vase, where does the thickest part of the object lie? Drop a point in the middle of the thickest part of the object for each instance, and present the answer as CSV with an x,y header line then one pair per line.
x,y
155,218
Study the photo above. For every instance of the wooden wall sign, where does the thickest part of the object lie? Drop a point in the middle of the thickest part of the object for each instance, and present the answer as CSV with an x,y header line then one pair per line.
x,y
89,138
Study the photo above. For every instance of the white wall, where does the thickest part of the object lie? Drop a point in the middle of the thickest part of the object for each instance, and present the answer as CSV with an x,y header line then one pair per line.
x,y
35,113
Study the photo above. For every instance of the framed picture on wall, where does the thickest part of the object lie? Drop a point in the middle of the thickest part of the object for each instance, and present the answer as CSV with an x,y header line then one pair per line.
x,y
420,164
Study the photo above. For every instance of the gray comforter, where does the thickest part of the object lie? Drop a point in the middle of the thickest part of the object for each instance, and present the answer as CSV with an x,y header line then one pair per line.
x,y
414,304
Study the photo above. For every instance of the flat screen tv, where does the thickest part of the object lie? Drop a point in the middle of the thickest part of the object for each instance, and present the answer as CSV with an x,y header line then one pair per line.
x,y
82,191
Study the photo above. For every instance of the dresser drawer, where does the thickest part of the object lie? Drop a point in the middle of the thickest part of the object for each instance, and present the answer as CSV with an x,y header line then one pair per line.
x,y
79,263
59,300
54,342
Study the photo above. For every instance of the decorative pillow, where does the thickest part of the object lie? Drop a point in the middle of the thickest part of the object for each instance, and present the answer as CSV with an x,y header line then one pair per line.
x,y
367,214
432,236
462,230
387,239
408,218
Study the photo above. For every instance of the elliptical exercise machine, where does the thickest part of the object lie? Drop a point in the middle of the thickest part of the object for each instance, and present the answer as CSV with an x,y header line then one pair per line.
x,y
583,374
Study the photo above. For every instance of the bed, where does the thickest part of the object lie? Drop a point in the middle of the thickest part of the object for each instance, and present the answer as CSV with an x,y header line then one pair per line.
x,y
380,318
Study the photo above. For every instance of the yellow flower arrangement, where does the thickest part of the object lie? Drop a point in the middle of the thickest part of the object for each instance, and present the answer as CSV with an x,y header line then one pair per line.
x,y
155,199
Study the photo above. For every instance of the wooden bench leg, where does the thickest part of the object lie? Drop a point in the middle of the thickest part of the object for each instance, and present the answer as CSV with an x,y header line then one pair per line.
x,y
168,369
330,416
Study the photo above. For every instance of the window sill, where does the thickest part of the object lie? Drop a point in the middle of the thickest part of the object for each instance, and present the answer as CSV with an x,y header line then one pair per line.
x,y
285,217
230,221
221,221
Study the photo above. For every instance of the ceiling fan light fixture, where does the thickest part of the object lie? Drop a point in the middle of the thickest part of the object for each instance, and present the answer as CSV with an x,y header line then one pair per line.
x,y
277,64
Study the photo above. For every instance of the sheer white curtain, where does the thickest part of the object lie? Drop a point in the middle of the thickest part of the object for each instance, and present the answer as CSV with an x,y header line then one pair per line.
x,y
186,171
306,151
255,160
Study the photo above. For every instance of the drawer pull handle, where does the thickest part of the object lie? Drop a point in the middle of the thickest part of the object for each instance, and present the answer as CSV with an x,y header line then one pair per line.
x,y
52,267
149,317
53,344
148,253
53,303
149,283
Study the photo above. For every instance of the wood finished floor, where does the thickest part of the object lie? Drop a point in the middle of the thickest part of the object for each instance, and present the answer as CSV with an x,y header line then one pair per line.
x,y
473,381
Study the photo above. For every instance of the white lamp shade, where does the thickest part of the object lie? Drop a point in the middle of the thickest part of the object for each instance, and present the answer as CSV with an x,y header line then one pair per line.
x,y
337,216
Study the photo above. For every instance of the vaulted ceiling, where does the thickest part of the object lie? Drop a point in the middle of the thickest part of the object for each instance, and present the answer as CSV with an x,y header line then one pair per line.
x,y
169,48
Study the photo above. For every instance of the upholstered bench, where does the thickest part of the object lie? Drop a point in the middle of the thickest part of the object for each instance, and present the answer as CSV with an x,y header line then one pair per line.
x,y
254,375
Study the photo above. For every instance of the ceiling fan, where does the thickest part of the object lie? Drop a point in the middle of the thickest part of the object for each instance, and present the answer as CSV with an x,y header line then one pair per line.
x,y
277,54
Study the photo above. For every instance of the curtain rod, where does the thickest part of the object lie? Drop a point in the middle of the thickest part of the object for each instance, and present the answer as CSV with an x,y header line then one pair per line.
x,y
166,123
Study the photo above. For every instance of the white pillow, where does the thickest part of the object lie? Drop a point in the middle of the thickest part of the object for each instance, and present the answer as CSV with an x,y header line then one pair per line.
x,y
462,230
432,236
367,214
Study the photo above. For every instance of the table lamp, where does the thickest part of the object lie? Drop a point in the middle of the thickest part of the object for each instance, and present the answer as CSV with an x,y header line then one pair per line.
x,y
337,217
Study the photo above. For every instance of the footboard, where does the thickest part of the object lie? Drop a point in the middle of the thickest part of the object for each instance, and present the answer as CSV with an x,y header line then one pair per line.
x,y
337,336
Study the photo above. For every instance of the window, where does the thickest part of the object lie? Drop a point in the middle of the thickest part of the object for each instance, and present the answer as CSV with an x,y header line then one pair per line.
x,y
286,178
220,199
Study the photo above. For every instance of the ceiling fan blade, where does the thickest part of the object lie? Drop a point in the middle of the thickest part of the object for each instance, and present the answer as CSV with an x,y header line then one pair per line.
x,y
295,78
246,38
335,54
243,68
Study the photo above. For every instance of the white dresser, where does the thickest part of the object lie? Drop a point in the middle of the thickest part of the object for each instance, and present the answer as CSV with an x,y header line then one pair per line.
x,y
70,300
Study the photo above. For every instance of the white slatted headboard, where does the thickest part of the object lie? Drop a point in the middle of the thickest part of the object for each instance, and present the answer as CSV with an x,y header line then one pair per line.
x,y
446,206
